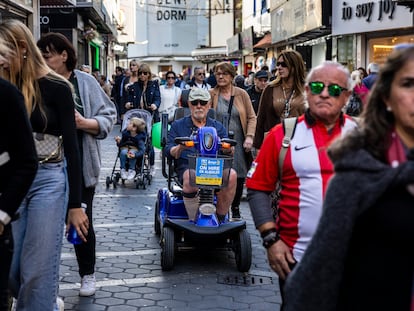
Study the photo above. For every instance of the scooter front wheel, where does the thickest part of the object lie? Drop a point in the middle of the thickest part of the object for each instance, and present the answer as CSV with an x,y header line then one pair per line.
x,y
167,249
243,251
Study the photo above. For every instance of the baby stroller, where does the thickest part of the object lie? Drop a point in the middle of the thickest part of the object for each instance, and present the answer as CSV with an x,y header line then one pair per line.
x,y
142,168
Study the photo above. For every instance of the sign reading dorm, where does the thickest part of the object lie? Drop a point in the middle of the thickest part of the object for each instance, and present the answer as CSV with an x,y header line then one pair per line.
x,y
171,10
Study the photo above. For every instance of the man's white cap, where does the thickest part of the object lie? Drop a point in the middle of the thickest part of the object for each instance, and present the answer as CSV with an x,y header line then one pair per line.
x,y
197,93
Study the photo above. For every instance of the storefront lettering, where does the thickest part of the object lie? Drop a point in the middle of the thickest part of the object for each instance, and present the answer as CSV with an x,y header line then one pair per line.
x,y
366,10
173,13
44,20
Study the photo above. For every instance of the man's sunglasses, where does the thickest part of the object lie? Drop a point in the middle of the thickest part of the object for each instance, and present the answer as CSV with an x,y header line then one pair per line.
x,y
201,74
334,90
170,77
281,64
201,102
142,73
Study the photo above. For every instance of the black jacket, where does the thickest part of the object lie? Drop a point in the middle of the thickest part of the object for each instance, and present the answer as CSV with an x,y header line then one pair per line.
x,y
18,158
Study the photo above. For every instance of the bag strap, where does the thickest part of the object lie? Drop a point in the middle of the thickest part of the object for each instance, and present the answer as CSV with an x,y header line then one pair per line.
x,y
289,126
230,108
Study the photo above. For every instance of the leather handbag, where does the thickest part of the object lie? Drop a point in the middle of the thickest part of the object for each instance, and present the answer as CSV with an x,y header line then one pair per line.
x,y
49,147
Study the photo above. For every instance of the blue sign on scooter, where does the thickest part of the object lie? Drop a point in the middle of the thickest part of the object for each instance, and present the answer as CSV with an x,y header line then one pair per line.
x,y
209,171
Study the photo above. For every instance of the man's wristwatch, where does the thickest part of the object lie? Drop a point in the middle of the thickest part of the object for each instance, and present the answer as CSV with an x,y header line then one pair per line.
x,y
270,237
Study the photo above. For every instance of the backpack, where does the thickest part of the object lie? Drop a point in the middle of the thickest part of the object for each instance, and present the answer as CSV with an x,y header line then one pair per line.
x,y
289,126
354,106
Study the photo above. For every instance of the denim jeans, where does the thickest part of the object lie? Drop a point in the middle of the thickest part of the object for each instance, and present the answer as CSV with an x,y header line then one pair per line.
x,y
124,159
38,234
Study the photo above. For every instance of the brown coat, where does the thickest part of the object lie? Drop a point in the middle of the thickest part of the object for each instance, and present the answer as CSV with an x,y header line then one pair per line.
x,y
244,107
271,107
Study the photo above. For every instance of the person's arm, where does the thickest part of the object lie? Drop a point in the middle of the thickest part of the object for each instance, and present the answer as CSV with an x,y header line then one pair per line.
x,y
265,99
19,159
102,110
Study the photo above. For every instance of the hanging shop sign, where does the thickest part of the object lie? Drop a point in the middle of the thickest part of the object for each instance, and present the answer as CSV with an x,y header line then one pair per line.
x,y
356,16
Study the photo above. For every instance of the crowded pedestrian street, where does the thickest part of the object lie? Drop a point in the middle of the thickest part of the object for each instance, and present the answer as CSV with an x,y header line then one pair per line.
x,y
128,271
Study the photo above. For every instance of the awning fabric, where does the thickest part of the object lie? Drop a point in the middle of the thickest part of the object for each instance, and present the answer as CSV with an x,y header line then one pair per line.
x,y
265,42
221,50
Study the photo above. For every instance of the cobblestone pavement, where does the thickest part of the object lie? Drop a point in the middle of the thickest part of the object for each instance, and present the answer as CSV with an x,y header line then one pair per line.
x,y
128,271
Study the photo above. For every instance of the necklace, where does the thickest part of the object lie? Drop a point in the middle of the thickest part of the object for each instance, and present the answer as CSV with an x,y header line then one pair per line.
x,y
288,101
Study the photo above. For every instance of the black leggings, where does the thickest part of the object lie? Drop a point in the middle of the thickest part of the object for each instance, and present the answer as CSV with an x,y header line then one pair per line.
x,y
239,192
86,252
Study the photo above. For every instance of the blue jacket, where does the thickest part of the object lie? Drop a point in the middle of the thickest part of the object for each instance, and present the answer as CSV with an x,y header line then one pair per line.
x,y
184,128
152,96
137,141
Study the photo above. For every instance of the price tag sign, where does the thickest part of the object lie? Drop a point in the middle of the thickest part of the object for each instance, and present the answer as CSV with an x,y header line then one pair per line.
x,y
209,171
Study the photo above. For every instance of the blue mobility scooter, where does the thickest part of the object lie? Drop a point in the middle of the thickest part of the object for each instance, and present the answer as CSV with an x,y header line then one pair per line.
x,y
209,171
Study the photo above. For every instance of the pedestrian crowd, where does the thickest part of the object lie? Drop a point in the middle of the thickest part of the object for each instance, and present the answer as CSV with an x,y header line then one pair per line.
x,y
327,158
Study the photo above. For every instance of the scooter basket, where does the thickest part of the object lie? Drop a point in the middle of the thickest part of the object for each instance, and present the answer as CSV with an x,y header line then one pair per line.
x,y
209,172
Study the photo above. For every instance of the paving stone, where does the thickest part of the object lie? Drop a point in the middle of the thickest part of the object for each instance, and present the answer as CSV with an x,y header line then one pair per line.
x,y
128,271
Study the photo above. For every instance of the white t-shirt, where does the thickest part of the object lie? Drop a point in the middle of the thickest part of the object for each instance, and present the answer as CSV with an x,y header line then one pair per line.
x,y
169,100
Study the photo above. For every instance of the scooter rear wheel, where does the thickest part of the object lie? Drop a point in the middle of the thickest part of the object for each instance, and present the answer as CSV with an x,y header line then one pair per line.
x,y
157,224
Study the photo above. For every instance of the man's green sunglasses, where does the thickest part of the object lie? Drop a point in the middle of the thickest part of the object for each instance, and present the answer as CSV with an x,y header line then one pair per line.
x,y
333,89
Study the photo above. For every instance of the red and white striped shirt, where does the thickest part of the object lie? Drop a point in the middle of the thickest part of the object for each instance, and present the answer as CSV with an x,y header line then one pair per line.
x,y
306,172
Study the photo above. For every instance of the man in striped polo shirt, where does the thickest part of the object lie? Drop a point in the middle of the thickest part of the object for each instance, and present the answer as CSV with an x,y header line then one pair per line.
x,y
305,172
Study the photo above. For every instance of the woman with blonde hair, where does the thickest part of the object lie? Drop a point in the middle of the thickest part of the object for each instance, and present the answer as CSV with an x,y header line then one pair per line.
x,y
39,230
283,97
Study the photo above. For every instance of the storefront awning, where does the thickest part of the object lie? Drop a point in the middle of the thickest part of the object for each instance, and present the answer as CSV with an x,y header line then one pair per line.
x,y
57,3
265,42
209,52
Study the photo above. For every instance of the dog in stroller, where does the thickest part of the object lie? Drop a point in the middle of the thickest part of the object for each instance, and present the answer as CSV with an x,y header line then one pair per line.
x,y
133,150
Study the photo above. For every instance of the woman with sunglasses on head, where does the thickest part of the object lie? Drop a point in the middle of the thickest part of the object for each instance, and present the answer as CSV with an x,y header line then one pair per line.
x,y
145,94
56,190
361,256
170,96
234,102
283,97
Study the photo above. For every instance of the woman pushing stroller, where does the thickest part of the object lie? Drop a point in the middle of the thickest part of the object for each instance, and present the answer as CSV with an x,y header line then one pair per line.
x,y
132,146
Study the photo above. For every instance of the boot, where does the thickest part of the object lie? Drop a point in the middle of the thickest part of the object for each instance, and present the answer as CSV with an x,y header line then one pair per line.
x,y
235,212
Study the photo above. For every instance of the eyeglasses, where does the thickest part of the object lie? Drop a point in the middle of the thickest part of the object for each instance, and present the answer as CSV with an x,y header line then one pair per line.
x,y
170,77
334,90
281,64
222,74
142,73
201,102
201,74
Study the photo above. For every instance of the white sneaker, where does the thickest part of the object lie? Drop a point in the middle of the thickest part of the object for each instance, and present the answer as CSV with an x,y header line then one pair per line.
x,y
60,304
124,174
131,174
88,285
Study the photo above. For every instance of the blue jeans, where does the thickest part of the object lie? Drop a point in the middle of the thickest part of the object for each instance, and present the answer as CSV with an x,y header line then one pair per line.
x,y
124,159
38,234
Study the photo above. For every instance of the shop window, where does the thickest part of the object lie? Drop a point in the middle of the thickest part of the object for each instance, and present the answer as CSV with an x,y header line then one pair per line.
x,y
380,48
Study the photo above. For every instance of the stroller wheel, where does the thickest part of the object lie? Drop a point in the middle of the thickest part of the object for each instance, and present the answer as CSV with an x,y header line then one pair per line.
x,y
108,181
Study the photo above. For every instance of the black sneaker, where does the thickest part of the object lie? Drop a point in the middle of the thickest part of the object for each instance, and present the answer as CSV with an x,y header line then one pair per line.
x,y
235,212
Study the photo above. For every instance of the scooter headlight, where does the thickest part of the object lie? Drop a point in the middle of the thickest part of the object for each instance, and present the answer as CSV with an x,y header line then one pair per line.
x,y
207,209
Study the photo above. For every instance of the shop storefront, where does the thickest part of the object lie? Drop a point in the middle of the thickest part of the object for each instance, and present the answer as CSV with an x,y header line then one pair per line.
x,y
303,25
367,32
